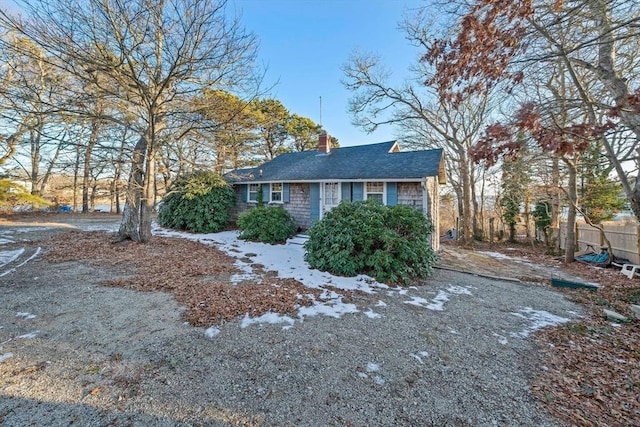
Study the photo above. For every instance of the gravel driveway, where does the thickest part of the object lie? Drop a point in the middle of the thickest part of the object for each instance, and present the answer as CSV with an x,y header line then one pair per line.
x,y
455,351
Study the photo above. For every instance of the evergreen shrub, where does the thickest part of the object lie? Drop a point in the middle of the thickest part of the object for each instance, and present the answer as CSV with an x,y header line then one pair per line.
x,y
197,202
390,243
266,224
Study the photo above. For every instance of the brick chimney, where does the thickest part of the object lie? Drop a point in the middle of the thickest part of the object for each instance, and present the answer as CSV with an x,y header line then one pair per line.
x,y
324,142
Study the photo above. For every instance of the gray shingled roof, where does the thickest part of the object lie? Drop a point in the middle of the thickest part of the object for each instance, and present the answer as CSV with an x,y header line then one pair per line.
x,y
372,161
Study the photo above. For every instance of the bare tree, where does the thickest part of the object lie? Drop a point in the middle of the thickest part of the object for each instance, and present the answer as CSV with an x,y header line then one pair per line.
x,y
147,56
428,121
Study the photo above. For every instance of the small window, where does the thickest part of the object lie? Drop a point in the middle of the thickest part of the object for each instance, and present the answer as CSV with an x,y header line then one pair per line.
x,y
375,191
253,192
276,192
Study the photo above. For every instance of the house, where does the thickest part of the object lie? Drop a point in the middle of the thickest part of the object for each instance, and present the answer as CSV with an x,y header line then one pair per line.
x,y
309,183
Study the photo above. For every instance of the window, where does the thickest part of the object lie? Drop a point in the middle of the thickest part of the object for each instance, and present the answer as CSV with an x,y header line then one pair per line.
x,y
375,191
331,194
253,192
276,192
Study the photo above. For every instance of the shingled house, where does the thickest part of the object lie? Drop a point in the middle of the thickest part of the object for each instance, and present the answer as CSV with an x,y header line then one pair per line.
x,y
309,183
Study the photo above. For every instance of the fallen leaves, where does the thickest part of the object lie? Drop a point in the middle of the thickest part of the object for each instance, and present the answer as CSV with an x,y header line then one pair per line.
x,y
590,369
198,276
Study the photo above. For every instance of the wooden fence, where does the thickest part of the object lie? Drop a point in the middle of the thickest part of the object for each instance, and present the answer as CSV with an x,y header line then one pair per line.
x,y
622,235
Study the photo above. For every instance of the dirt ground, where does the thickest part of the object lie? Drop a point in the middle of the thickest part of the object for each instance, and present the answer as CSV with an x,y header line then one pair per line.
x,y
74,351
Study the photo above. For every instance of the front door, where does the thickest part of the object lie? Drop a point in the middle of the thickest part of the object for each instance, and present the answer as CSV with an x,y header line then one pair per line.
x,y
330,196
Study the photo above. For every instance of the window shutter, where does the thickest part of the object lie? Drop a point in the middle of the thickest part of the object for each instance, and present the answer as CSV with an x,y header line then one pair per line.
x,y
358,191
266,193
245,192
285,192
346,191
392,193
314,202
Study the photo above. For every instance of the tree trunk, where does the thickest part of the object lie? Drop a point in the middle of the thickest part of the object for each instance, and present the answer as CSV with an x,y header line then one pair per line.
x,y
35,162
86,175
467,234
76,172
131,214
146,208
555,203
572,192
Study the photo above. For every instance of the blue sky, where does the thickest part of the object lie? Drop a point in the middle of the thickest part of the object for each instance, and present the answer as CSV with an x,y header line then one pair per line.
x,y
306,42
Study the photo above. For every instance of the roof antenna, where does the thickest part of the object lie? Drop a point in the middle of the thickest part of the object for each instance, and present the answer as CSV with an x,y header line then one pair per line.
x,y
320,111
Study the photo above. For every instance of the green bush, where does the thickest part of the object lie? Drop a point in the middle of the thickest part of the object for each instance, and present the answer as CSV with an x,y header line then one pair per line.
x,y
197,202
266,224
390,243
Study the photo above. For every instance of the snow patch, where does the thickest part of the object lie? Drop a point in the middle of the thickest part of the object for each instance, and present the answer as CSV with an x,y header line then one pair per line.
x,y
372,367
327,309
381,304
9,256
269,317
5,356
211,332
419,356
459,290
496,255
11,270
372,315
26,316
501,339
29,336
538,319
437,303
417,301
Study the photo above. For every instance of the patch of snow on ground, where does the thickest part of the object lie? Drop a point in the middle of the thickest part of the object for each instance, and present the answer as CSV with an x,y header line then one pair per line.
x,y
11,270
372,315
211,332
437,304
8,256
417,301
538,319
29,336
496,255
26,316
381,304
5,356
459,290
335,309
372,367
501,339
419,356
4,241
272,318
30,229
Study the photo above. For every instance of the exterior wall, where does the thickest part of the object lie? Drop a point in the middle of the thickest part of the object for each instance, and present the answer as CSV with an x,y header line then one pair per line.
x,y
241,205
410,193
425,197
422,196
433,209
298,205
